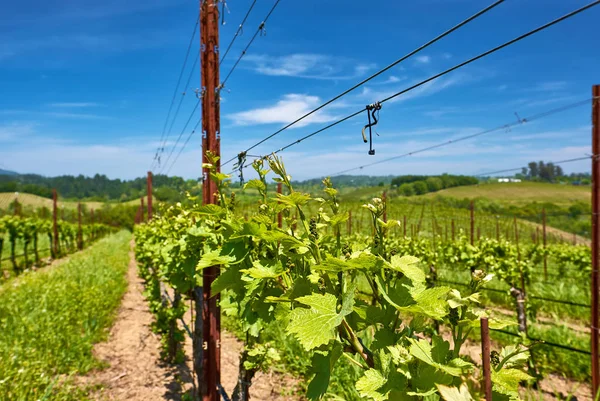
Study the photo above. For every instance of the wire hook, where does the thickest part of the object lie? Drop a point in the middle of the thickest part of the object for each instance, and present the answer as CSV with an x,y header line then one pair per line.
x,y
240,165
223,8
372,113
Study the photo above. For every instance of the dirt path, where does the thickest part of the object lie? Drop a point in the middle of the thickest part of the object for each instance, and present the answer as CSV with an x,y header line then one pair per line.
x,y
135,372
565,236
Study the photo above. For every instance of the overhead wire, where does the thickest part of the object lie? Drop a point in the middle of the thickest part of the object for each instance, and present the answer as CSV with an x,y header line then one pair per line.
x,y
375,75
447,71
181,134
502,127
162,140
238,32
184,145
182,97
520,168
259,30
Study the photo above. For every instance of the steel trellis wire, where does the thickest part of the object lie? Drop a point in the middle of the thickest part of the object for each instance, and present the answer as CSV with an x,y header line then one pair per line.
x,y
375,75
162,140
449,70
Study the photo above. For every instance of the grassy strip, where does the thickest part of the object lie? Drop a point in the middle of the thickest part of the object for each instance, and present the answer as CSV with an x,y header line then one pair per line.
x,y
50,320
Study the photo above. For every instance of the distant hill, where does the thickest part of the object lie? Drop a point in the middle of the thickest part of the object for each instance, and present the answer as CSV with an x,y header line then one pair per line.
x,y
7,172
351,180
96,188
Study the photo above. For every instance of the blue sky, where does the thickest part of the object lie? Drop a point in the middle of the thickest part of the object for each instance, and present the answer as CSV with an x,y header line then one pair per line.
x,y
85,85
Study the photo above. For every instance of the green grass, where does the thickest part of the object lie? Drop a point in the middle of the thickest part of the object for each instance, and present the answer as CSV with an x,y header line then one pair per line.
x,y
35,201
51,319
518,193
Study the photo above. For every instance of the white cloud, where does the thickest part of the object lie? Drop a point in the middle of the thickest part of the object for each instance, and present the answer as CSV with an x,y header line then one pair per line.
x,y
286,110
423,59
306,65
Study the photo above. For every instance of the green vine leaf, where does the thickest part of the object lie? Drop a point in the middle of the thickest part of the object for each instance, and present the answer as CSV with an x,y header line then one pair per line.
x,y
315,326
369,383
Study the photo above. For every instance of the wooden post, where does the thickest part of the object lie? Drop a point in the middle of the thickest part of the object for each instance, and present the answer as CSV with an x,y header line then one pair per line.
x,y
544,243
485,356
349,222
517,237
210,376
384,199
92,221
595,274
149,194
279,216
497,228
472,222
55,247
79,231
453,229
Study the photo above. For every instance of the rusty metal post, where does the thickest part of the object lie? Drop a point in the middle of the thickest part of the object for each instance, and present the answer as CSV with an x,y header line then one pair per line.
x,y
349,222
497,228
149,193
210,376
595,238
79,232
544,243
453,229
279,216
517,237
472,208
384,199
142,209
485,356
92,235
55,247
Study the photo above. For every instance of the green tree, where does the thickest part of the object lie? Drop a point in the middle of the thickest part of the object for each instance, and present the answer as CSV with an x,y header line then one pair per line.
x,y
406,190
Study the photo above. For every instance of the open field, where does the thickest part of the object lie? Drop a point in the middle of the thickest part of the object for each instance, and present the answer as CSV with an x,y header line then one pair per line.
x,y
521,192
35,201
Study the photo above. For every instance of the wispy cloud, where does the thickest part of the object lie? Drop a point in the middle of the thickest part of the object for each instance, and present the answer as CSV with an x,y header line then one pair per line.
x,y
73,105
550,86
79,116
284,111
305,65
23,12
423,59
15,131
85,42
427,89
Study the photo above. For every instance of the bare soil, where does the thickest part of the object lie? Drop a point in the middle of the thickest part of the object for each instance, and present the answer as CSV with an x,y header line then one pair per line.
x,y
135,372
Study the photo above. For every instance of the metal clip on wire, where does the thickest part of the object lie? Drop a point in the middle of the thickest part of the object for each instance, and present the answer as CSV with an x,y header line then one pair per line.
x,y
372,112
240,165
223,8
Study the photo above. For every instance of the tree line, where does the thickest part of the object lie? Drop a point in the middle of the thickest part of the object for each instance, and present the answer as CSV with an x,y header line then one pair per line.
x,y
97,188
409,185
550,172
